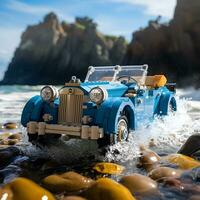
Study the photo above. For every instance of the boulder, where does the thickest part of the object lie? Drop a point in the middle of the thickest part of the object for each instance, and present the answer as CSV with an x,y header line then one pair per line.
x,y
163,172
137,183
107,189
148,159
67,182
24,189
182,161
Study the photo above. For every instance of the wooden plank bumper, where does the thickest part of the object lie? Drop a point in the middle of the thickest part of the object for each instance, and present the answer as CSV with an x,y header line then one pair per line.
x,y
83,132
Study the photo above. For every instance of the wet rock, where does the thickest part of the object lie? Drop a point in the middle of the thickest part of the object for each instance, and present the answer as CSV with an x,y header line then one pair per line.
x,y
4,135
162,172
191,146
137,183
191,175
7,155
25,189
10,125
10,172
194,197
20,166
148,159
186,187
15,136
108,168
182,161
172,182
152,143
68,182
74,198
107,189
9,142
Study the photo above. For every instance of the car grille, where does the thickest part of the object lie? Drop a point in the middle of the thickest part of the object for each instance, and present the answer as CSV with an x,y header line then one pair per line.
x,y
71,106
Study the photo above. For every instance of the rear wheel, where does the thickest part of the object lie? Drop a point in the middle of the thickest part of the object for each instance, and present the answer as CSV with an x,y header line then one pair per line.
x,y
172,106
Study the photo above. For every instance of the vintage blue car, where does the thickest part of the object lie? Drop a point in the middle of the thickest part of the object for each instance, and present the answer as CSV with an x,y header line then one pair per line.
x,y
112,101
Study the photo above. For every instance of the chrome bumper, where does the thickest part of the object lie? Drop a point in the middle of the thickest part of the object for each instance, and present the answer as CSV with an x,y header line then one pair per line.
x,y
83,131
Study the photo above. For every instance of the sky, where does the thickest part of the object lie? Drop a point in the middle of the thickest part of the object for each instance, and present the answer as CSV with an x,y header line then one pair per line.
x,y
115,17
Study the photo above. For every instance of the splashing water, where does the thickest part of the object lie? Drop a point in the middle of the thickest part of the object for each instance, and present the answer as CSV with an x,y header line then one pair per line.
x,y
168,133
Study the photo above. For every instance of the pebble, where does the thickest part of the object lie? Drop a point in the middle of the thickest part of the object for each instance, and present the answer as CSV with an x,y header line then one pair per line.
x,y
16,136
4,135
24,189
148,159
9,142
108,189
162,172
108,168
137,183
10,125
182,161
68,182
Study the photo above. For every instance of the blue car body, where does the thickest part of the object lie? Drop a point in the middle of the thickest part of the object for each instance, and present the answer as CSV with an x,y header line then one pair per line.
x,y
139,108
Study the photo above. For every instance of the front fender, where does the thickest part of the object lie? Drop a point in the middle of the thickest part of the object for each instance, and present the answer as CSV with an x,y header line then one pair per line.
x,y
110,112
117,108
32,110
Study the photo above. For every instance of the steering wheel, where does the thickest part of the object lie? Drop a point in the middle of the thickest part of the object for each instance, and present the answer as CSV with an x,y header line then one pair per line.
x,y
128,78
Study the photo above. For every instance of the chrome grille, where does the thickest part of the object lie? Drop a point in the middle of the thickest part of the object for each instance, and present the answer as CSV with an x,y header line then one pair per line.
x,y
71,106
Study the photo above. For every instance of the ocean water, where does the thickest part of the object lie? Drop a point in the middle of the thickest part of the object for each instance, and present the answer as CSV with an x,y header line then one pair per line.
x,y
169,133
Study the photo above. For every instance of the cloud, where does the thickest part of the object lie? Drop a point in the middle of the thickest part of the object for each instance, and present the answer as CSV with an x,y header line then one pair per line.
x,y
164,8
26,8
37,10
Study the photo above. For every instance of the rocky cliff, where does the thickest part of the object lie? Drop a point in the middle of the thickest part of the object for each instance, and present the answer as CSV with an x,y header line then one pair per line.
x,y
51,52
172,48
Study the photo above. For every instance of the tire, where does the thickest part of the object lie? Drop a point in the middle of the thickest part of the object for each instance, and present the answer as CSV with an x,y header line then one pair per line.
x,y
122,131
172,106
111,139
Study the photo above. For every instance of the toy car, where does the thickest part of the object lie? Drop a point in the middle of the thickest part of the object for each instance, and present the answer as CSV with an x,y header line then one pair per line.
x,y
112,101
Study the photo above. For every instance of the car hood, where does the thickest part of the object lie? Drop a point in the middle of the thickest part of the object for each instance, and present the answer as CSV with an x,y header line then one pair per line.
x,y
114,89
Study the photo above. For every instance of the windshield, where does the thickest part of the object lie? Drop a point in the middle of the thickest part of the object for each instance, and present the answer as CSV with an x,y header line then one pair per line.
x,y
115,73
100,74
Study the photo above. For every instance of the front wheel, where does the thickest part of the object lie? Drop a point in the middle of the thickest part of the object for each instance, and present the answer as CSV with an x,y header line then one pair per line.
x,y
121,135
122,131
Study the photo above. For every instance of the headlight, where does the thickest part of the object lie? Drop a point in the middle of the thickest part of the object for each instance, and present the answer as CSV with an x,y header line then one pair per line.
x,y
48,93
98,95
